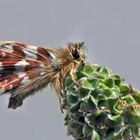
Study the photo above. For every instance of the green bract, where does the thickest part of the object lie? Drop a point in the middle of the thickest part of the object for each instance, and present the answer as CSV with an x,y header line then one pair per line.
x,y
104,107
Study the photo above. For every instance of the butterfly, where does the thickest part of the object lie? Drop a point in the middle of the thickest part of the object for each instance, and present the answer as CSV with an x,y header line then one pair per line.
x,y
26,69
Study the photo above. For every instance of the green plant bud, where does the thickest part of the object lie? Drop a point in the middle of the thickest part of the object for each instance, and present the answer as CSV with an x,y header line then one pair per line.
x,y
102,106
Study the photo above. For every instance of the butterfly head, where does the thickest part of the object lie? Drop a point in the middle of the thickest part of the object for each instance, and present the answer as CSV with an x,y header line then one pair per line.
x,y
78,52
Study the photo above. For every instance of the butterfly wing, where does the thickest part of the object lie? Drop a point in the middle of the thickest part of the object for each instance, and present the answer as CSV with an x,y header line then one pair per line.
x,y
22,70
31,82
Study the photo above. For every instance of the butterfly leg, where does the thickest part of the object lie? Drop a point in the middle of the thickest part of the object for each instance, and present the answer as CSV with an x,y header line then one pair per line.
x,y
59,90
72,75
61,103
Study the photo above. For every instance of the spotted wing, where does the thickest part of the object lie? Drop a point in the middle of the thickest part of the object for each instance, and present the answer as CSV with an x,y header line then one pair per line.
x,y
22,70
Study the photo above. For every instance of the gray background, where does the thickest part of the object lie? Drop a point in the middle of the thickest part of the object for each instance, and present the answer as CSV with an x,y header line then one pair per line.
x,y
111,31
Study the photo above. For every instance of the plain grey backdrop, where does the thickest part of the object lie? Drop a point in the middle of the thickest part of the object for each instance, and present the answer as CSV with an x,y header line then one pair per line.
x,y
111,31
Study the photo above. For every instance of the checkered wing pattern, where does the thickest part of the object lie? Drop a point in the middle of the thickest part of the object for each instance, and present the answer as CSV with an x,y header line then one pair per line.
x,y
22,70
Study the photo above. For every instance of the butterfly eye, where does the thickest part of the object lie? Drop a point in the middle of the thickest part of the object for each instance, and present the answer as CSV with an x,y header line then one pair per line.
x,y
75,54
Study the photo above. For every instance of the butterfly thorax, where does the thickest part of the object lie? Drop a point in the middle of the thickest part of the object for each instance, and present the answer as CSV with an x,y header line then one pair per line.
x,y
60,69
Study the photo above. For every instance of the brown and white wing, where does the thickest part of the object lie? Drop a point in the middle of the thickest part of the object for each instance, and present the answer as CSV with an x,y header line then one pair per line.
x,y
22,70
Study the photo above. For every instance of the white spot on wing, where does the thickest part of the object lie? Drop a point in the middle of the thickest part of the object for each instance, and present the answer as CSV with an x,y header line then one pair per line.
x,y
1,66
52,58
5,42
42,65
29,54
32,47
21,75
7,48
30,51
11,86
0,63
25,80
21,65
42,73
3,54
5,81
